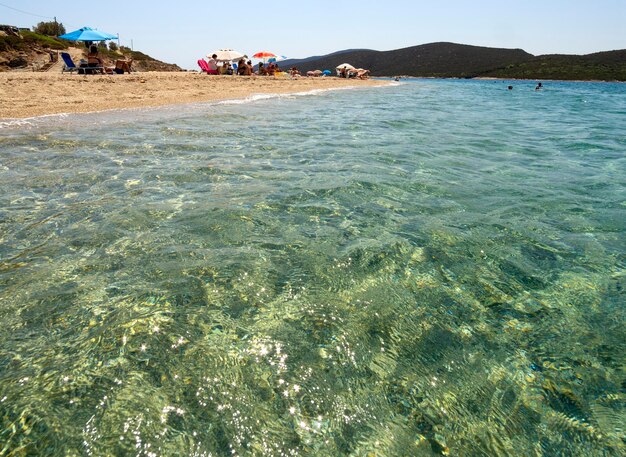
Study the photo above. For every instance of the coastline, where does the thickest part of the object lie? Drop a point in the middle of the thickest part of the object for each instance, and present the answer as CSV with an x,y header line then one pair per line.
x,y
26,95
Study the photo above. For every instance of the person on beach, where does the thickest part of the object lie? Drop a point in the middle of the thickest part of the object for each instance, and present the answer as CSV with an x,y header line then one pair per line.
x,y
362,74
212,63
94,60
122,66
243,68
262,70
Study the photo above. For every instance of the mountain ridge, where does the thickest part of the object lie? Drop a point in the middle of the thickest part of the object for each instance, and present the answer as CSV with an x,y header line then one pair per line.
x,y
453,60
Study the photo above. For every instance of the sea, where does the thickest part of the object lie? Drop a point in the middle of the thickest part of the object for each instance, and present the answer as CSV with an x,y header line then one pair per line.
x,y
432,267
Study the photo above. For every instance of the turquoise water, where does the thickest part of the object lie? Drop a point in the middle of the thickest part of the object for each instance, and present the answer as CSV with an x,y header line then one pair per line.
x,y
433,268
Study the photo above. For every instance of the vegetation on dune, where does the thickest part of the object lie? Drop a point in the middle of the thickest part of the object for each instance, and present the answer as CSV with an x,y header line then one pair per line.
x,y
30,39
137,55
19,50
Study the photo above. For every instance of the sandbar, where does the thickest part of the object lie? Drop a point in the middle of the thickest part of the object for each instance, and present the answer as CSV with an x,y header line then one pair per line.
x,y
30,94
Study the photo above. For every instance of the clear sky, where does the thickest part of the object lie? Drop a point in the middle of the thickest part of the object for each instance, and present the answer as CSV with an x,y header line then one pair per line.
x,y
185,30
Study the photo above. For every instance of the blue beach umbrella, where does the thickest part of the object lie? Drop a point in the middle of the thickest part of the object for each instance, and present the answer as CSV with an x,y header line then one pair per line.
x,y
88,34
277,59
326,72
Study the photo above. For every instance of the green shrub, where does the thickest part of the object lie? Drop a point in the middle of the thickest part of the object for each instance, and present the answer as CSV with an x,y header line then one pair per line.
x,y
42,40
49,28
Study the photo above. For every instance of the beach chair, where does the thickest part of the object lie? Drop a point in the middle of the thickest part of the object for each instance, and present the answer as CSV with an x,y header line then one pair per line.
x,y
70,66
204,66
68,63
89,70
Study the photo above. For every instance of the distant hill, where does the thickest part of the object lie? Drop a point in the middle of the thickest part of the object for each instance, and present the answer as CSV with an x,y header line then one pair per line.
x,y
288,63
601,66
430,60
451,60
25,50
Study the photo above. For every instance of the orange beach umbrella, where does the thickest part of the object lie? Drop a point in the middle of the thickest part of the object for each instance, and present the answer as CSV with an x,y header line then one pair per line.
x,y
264,55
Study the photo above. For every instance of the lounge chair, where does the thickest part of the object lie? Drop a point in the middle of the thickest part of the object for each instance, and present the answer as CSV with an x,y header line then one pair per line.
x,y
69,64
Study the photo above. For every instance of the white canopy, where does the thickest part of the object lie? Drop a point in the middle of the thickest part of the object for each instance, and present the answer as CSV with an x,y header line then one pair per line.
x,y
226,55
347,66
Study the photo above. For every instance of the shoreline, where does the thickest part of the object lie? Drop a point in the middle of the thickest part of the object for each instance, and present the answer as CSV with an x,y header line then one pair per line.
x,y
20,121
30,95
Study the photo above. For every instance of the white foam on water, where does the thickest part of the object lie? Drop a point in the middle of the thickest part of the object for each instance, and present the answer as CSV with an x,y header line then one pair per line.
x,y
259,97
8,123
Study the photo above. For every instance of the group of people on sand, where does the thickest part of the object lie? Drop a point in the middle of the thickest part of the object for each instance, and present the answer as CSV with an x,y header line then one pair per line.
x,y
243,68
354,73
269,70
96,63
226,68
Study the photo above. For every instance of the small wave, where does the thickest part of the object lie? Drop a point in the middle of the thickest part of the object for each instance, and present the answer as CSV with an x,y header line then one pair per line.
x,y
23,123
35,121
258,97
9,123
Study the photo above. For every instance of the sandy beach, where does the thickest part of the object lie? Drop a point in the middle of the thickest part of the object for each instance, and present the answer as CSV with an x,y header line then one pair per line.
x,y
25,94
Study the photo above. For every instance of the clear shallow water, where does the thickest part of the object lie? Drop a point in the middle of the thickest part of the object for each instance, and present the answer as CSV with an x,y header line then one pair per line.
x,y
431,268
